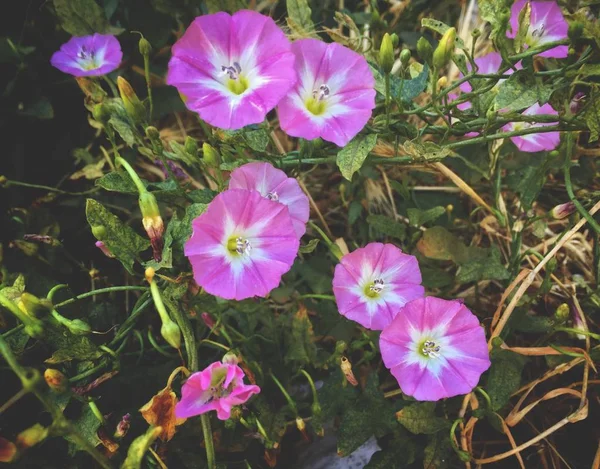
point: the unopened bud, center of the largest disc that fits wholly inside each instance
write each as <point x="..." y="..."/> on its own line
<point x="562" y="211"/>
<point x="3" y="180"/>
<point x="424" y="50"/>
<point x="211" y="156"/>
<point x="78" y="327"/>
<point x="442" y="82"/>
<point x="123" y="427"/>
<point x="100" y="245"/>
<point x="443" y="52"/>
<point x="153" y="223"/>
<point x="386" y="54"/>
<point x="208" y="320"/>
<point x="145" y="47"/>
<point x="300" y="424"/>
<point x="476" y="33"/>
<point x="8" y="450"/>
<point x="134" y="107"/>
<point x="32" y="436"/>
<point x="91" y="89"/>
<point x="191" y="146"/>
<point x="562" y="313"/>
<point x="578" y="323"/>
<point x="404" y="57"/>
<point x="149" y="274"/>
<point x="171" y="333"/>
<point x="56" y="380"/>
<point x="316" y="409"/>
<point x="395" y="39"/>
<point x="34" y="306"/>
<point x="340" y="347"/>
<point x="230" y="358"/>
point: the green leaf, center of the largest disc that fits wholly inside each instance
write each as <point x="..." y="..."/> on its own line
<point x="124" y="128"/>
<point x="399" y="453"/>
<point x="521" y="90"/>
<point x="231" y="6"/>
<point x="139" y="447"/>
<point x="420" y="418"/>
<point x="258" y="140"/>
<point x="387" y="226"/>
<point x="118" y="181"/>
<point x="310" y="246"/>
<point x="426" y="152"/>
<point x="120" y="239"/>
<point x="438" y="243"/>
<point x="482" y="264"/>
<point x="182" y="229"/>
<point x="404" y="89"/>
<point x="352" y="156"/>
<point x="439" y="27"/>
<point x="529" y="180"/>
<point x="301" y="348"/>
<point x="592" y="117"/>
<point x="179" y="153"/>
<point x="437" y="452"/>
<point x="86" y="425"/>
<point x="300" y="15"/>
<point x="504" y="377"/>
<point x="68" y="346"/>
<point x="418" y="217"/>
<point x="497" y="13"/>
<point x="81" y="17"/>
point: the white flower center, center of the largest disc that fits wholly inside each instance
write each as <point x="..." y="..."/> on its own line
<point x="430" y="349"/>
<point x="377" y="286"/>
<point x="232" y="70"/>
<point x="87" y="58"/>
<point x="537" y="32"/>
<point x="273" y="196"/>
<point x="243" y="246"/>
<point x="321" y="93"/>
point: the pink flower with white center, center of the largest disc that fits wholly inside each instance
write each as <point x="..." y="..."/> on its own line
<point x="547" y="24"/>
<point x="218" y="387"/>
<point x="435" y="349"/>
<point x="334" y="96"/>
<point x="534" y="142"/>
<point x="372" y="283"/>
<point x="241" y="245"/>
<point x="273" y="184"/>
<point x="232" y="70"/>
<point x="86" y="56"/>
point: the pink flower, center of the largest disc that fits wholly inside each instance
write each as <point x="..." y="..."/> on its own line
<point x="85" y="56"/>
<point x="232" y="70"/>
<point x="372" y="283"/>
<point x="334" y="96"/>
<point x="218" y="387"/>
<point x="488" y="64"/>
<point x="534" y="142"/>
<point x="241" y="245"/>
<point x="273" y="184"/>
<point x="547" y="24"/>
<point x="435" y="349"/>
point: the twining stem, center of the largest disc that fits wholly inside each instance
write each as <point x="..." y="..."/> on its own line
<point x="208" y="441"/>
<point x="9" y="182"/>
<point x="98" y="292"/>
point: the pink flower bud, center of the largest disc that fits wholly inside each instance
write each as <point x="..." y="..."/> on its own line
<point x="562" y="210"/>
<point x="100" y="245"/>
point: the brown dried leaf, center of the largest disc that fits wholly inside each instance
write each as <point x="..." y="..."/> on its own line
<point x="160" y="411"/>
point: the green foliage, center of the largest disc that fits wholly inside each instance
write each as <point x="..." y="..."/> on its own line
<point x="592" y="116"/>
<point x="521" y="91"/>
<point x="420" y="418"/>
<point x="81" y="17"/>
<point x="351" y="158"/>
<point x="387" y="226"/>
<point x="299" y="17"/>
<point x="418" y="217"/>
<point x="504" y="376"/>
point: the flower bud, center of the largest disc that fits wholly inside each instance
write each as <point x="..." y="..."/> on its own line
<point x="211" y="156"/>
<point x="386" y="54"/>
<point x="32" y="436"/>
<point x="443" y="81"/>
<point x="171" y="333"/>
<point x="562" y="210"/>
<point x="3" y="180"/>
<point x="404" y="57"/>
<point x="300" y="424"/>
<point x="91" y="89"/>
<point x="443" y="52"/>
<point x="336" y="251"/>
<point x="123" y="427"/>
<point x="191" y="146"/>
<point x="424" y="49"/>
<point x="149" y="274"/>
<point x="134" y="107"/>
<point x="230" y="358"/>
<point x="476" y="33"/>
<point x="562" y="313"/>
<point x="34" y="306"/>
<point x="78" y="327"/>
<point x="100" y="245"/>
<point x="145" y="47"/>
<point x="395" y="39"/>
<point x="153" y="222"/>
<point x="8" y="450"/>
<point x="578" y="323"/>
<point x="56" y="380"/>
<point x="208" y="320"/>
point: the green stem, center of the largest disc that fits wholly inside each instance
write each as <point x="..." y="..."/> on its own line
<point x="158" y="302"/>
<point x="134" y="176"/>
<point x="148" y="86"/>
<point x="318" y="296"/>
<point x="98" y="292"/>
<point x="142" y="303"/>
<point x="9" y="183"/>
<point x="208" y="441"/>
<point x="33" y="326"/>
<point x="112" y="86"/>
<point x="387" y="99"/>
<point x="569" y="186"/>
<point x="288" y="398"/>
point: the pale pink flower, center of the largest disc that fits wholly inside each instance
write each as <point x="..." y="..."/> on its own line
<point x="542" y="141"/>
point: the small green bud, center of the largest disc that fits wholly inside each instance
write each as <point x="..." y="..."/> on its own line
<point x="145" y="47"/>
<point x="78" y="327"/>
<point x="491" y="114"/>
<point x="443" y="52"/>
<point x="395" y="40"/>
<point x="340" y="347"/>
<point x="32" y="436"/>
<point x="404" y="57"/>
<point x="211" y="156"/>
<point x="554" y="154"/>
<point x="424" y="50"/>
<point x="191" y="146"/>
<point x="171" y="333"/>
<point x="562" y="313"/>
<point x="230" y="358"/>
<point x="154" y="136"/>
<point x="34" y="306"/>
<point x="99" y="232"/>
<point x="386" y="54"/>
<point x="476" y="33"/>
<point x="134" y="107"/>
<point x="56" y="380"/>
<point x="497" y="342"/>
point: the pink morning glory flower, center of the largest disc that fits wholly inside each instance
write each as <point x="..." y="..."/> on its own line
<point x="218" y="387"/>
<point x="435" y="349"/>
<point x="232" y="70"/>
<point x="372" y="283"/>
<point x="241" y="245"/>
<point x="274" y="184"/>
<point x="534" y="142"/>
<point x="85" y="56"/>
<point x="547" y="24"/>
<point x="334" y="96"/>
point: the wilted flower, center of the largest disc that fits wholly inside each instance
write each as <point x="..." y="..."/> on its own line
<point x="218" y="387"/>
<point x="435" y="349"/>
<point x="372" y="283"/>
<point x="546" y="24"/>
<point x="274" y="184"/>
<point x="242" y="245"/>
<point x="334" y="96"/>
<point x="83" y="56"/>
<point x="232" y="70"/>
<point x="534" y="142"/>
